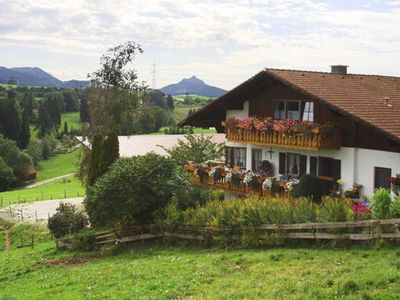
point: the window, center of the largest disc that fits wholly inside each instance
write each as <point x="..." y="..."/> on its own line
<point x="236" y="156"/>
<point x="292" y="164"/>
<point x="382" y="177"/>
<point x="308" y="112"/>
<point x="256" y="159"/>
<point x="293" y="109"/>
<point x="279" y="110"/>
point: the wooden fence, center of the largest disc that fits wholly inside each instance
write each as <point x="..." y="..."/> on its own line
<point x="353" y="231"/>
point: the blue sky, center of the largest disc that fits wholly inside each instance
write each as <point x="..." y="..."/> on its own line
<point x="222" y="42"/>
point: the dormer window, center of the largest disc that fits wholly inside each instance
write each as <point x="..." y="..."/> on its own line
<point x="294" y="110"/>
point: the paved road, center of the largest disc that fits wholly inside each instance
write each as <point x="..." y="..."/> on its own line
<point x="35" y="211"/>
<point x="47" y="181"/>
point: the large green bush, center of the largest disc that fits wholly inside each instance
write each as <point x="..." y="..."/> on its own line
<point x="67" y="220"/>
<point x="309" y="187"/>
<point x="132" y="190"/>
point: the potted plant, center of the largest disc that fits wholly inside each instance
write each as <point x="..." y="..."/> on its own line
<point x="251" y="180"/>
<point x="200" y="171"/>
<point x="215" y="173"/>
<point x="233" y="177"/>
<point x="271" y="185"/>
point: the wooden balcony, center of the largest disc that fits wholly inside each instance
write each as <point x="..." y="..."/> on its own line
<point x="314" y="140"/>
<point x="240" y="188"/>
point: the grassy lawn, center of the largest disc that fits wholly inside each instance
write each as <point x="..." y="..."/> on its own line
<point x="63" y="188"/>
<point x="73" y="120"/>
<point x="58" y="165"/>
<point x="165" y="272"/>
<point x="195" y="131"/>
<point x="181" y="111"/>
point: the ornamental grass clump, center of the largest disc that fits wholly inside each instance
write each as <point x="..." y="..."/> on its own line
<point x="381" y="204"/>
<point x="255" y="211"/>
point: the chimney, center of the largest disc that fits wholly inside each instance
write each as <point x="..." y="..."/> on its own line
<point x="339" y="69"/>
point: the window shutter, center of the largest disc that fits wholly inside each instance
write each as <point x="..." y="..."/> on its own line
<point x="313" y="165"/>
<point x="336" y="169"/>
<point x="282" y="163"/>
<point x="303" y="165"/>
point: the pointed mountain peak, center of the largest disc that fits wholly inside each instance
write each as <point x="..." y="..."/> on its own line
<point x="193" y="80"/>
<point x="193" y="86"/>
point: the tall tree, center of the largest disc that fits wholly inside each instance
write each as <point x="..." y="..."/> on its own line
<point x="109" y="152"/>
<point x="49" y="112"/>
<point x="95" y="156"/>
<point x="155" y="98"/>
<point x="27" y="110"/>
<point x="10" y="116"/>
<point x="70" y="100"/>
<point x="84" y="108"/>
<point x="170" y="102"/>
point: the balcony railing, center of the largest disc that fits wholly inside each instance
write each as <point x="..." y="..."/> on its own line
<point x="221" y="183"/>
<point x="314" y="139"/>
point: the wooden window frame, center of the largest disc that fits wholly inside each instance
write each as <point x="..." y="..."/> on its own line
<point x="380" y="168"/>
<point x="252" y="158"/>
<point x="285" y="104"/>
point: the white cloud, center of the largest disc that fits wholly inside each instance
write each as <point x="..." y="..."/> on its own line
<point x="223" y="42"/>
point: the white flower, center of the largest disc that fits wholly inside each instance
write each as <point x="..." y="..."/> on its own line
<point x="250" y="178"/>
<point x="267" y="184"/>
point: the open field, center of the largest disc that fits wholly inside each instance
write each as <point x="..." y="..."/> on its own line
<point x="165" y="272"/>
<point x="181" y="111"/>
<point x="58" y="165"/>
<point x="73" y="120"/>
<point x="195" y="131"/>
<point x="63" y="188"/>
<point x="182" y="97"/>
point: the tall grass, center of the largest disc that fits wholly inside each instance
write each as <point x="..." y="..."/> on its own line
<point x="256" y="211"/>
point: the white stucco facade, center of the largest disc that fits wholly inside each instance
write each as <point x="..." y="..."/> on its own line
<point x="357" y="165"/>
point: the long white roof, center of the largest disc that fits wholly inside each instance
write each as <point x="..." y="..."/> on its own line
<point x="142" y="144"/>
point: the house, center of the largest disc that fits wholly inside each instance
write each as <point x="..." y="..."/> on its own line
<point x="353" y="122"/>
<point x="142" y="144"/>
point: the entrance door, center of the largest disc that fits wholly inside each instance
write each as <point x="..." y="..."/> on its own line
<point x="329" y="171"/>
<point x="382" y="177"/>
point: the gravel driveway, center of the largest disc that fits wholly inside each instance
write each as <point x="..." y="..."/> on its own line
<point x="36" y="211"/>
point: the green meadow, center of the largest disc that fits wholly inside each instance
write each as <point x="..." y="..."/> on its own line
<point x="155" y="271"/>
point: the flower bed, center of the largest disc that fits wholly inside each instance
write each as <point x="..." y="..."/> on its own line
<point x="290" y="133"/>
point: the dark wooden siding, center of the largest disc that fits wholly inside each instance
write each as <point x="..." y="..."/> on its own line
<point x="354" y="133"/>
<point x="261" y="105"/>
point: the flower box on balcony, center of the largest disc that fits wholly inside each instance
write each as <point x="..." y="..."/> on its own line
<point x="283" y="133"/>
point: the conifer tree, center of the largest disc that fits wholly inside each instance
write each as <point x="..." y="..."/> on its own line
<point x="95" y="158"/>
<point x="170" y="102"/>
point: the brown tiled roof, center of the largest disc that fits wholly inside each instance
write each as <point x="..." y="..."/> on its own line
<point x="361" y="96"/>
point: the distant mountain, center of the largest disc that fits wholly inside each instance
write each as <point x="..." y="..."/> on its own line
<point x="74" y="84"/>
<point x="37" y="77"/>
<point x="192" y="86"/>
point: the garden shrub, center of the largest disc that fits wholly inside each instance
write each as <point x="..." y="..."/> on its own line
<point x="67" y="220"/>
<point x="133" y="190"/>
<point x="84" y="240"/>
<point x="381" y="203"/>
<point x="256" y="211"/>
<point x="395" y="207"/>
<point x="309" y="187"/>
